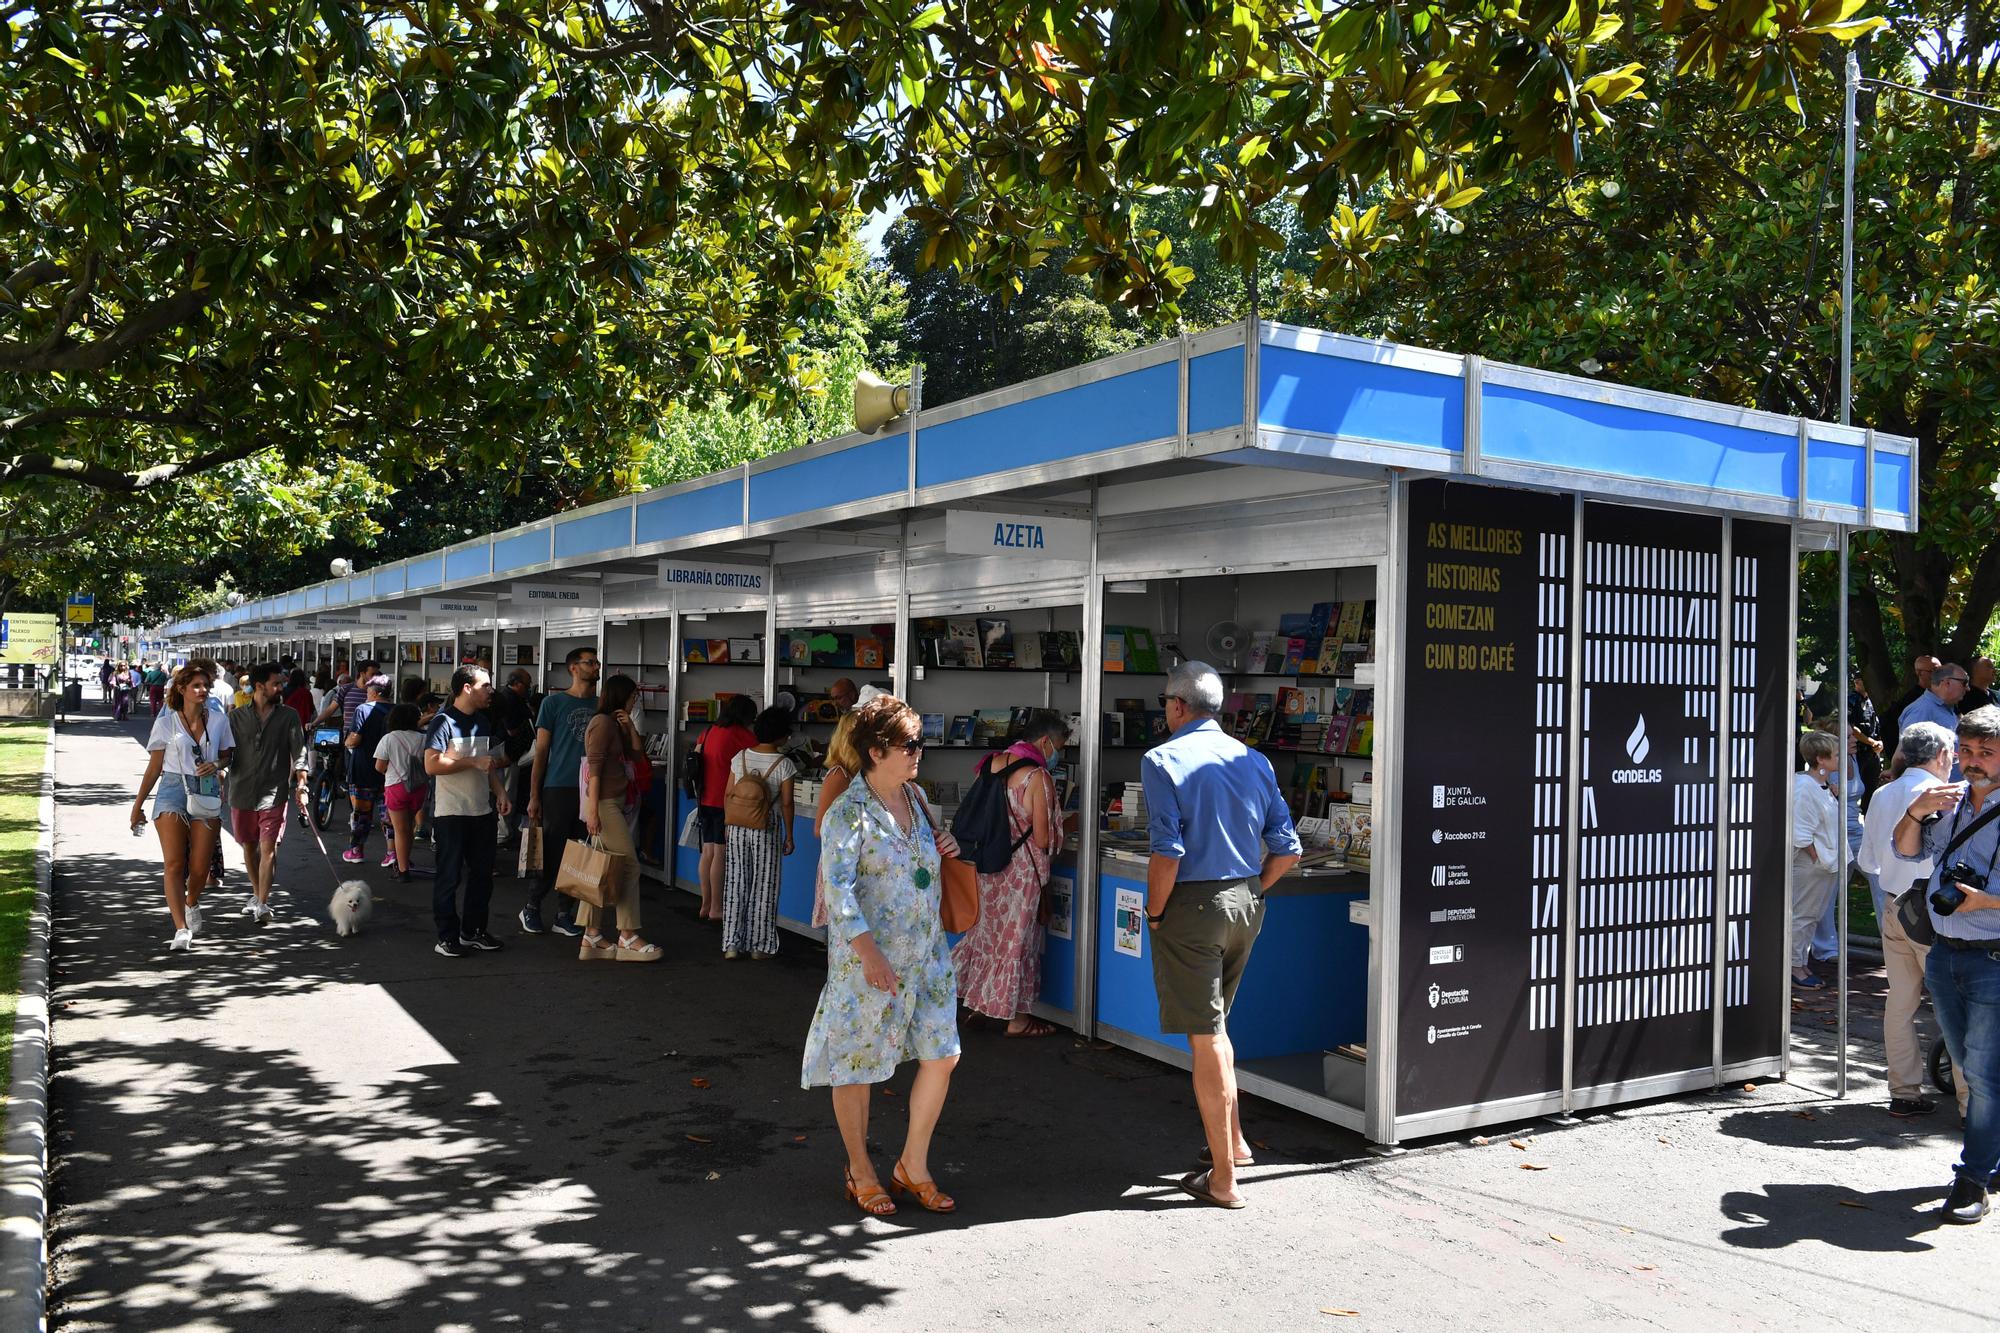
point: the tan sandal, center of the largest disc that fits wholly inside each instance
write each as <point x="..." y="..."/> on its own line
<point x="874" y="1202"/>
<point x="603" y="951"/>
<point x="643" y="952"/>
<point x="928" y="1196"/>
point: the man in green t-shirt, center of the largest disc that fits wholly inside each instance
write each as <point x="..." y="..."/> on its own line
<point x="556" y="801"/>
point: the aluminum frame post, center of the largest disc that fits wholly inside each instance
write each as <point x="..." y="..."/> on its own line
<point x="1853" y="86"/>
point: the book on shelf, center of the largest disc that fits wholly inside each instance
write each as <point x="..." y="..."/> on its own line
<point x="1291" y="702"/>
<point x="1319" y="623"/>
<point x="1361" y="740"/>
<point x="869" y="654"/>
<point x="1061" y="650"/>
<point x="1028" y="651"/>
<point x="698" y="710"/>
<point x="996" y="644"/>
<point x="933" y="728"/>
<point x="961" y="730"/>
<point x="694" y="652"/>
<point x="1157" y="729"/>
<point x="718" y="651"/>
<point x="1294" y="624"/>
<point x="1141" y="649"/>
<point x="1114" y="648"/>
<point x="1260" y="651"/>
<point x="1258" y="730"/>
<point x="991" y="725"/>
<point x="746" y="650"/>
<point x="798" y="648"/>
<point x="1335" y="738"/>
<point x="1349" y="626"/>
<point x="1329" y="657"/>
<point x="1114" y="730"/>
<point x="1309" y="696"/>
<point x="1295" y="656"/>
<point x="960" y="645"/>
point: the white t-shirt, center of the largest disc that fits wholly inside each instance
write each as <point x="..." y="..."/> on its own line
<point x="1878" y="830"/>
<point x="775" y="769"/>
<point x="170" y="734"/>
<point x="1815" y="818"/>
<point x="404" y="751"/>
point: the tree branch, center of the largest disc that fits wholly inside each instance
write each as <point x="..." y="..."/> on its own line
<point x="50" y="415"/>
<point x="141" y="328"/>
<point x="28" y="277"/>
<point x="113" y="481"/>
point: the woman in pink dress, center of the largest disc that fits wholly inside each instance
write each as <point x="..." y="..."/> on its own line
<point x="999" y="960"/>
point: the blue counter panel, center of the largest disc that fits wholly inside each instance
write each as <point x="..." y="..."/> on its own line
<point x="389" y="582"/>
<point x="879" y="467"/>
<point x="1529" y="426"/>
<point x="521" y="550"/>
<point x="315" y="598"/>
<point x="424" y="572"/>
<point x="1059" y="955"/>
<point x="1892" y="483"/>
<point x="1362" y="400"/>
<point x="795" y="886"/>
<point x="1306" y="988"/>
<point x="1215" y="390"/>
<point x="1835" y="474"/>
<point x="1132" y="408"/>
<point x="608" y="531"/>
<point x="704" y="509"/>
<point x="470" y="563"/>
<point x="687" y="866"/>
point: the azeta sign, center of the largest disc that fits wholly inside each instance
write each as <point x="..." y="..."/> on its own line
<point x="1023" y="537"/>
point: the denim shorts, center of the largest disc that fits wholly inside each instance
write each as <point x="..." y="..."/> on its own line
<point x="170" y="798"/>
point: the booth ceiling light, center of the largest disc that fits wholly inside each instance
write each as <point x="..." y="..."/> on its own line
<point x="1126" y="585"/>
<point x="877" y="402"/>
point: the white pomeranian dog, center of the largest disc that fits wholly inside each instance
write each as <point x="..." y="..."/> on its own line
<point x="352" y="902"/>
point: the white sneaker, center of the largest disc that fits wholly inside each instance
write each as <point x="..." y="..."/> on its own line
<point x="253" y="909"/>
<point x="182" y="939"/>
<point x="193" y="915"/>
<point x="266" y="912"/>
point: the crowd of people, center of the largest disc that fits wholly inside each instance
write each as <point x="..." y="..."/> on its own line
<point x="1924" y="830"/>
<point x="1921" y="826"/>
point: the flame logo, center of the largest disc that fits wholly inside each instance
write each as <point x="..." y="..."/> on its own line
<point x="1636" y="745"/>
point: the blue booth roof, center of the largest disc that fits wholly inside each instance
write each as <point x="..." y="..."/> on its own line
<point x="1319" y="401"/>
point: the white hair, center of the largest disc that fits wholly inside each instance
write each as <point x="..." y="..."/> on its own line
<point x="1197" y="685"/>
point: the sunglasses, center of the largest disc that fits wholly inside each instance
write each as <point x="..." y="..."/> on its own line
<point x="911" y="748"/>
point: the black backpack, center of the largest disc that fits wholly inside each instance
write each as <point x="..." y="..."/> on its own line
<point x="981" y="824"/>
<point x="691" y="766"/>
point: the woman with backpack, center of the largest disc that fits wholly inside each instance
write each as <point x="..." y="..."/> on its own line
<point x="999" y="960"/>
<point x="758" y="813"/>
<point x="610" y="742"/>
<point x="399" y="758"/>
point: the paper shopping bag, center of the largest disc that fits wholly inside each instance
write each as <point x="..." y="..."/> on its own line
<point x="691" y="830"/>
<point x="531" y="851"/>
<point x="590" y="874"/>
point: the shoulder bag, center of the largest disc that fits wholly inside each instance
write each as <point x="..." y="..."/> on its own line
<point x="958" y="884"/>
<point x="204" y="794"/>
<point x="1913" y="906"/>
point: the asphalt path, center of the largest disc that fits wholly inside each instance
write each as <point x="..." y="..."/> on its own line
<point x="284" y="1130"/>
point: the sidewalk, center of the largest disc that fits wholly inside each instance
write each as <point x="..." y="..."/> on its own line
<point x="287" y="1131"/>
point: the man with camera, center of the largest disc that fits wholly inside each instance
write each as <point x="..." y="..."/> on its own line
<point x="1958" y="825"/>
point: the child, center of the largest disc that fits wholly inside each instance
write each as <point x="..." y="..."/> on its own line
<point x="399" y="759"/>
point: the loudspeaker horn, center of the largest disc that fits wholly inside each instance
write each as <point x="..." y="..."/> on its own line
<point x="877" y="402"/>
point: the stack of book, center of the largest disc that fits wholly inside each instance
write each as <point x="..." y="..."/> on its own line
<point x="1132" y="806"/>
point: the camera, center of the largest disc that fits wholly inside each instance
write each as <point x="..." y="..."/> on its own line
<point x="1950" y="893"/>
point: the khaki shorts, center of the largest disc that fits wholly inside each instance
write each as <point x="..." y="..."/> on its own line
<point x="1200" y="949"/>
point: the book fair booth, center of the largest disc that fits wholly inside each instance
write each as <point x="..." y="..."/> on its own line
<point x="1519" y="645"/>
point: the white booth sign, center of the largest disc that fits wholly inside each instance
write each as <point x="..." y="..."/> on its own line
<point x="1028" y="538"/>
<point x="711" y="576"/>
<point x="338" y="619"/>
<point x="483" y="607"/>
<point x="376" y="615"/>
<point x="565" y="595"/>
<point x="273" y="627"/>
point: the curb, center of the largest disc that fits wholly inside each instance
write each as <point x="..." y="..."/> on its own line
<point x="24" y="1154"/>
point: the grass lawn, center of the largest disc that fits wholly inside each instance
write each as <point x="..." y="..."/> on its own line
<point x="1861" y="908"/>
<point x="22" y="746"/>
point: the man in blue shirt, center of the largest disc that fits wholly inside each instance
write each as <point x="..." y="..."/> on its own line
<point x="555" y="801"/>
<point x="1939" y="703"/>
<point x="1963" y="970"/>
<point x="1221" y="838"/>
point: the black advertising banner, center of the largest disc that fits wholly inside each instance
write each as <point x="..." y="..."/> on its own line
<point x="1484" y="711"/>
<point x="1758" y="989"/>
<point x="1646" y="847"/>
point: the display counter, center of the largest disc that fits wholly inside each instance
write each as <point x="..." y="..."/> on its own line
<point x="1304" y="993"/>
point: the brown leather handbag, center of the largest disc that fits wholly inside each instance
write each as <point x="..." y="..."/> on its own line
<point x="958" y="885"/>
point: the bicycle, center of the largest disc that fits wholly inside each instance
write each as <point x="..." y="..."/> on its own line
<point x="329" y="781"/>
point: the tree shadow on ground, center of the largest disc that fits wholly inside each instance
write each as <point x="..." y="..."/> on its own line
<point x="286" y="1130"/>
<point x="1875" y="1222"/>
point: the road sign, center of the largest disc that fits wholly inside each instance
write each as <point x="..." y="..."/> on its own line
<point x="82" y="608"/>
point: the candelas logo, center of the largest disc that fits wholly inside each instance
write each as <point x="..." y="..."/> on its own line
<point x="1637" y="747"/>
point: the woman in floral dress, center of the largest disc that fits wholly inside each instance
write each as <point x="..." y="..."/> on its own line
<point x="999" y="960"/>
<point x="889" y="991"/>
